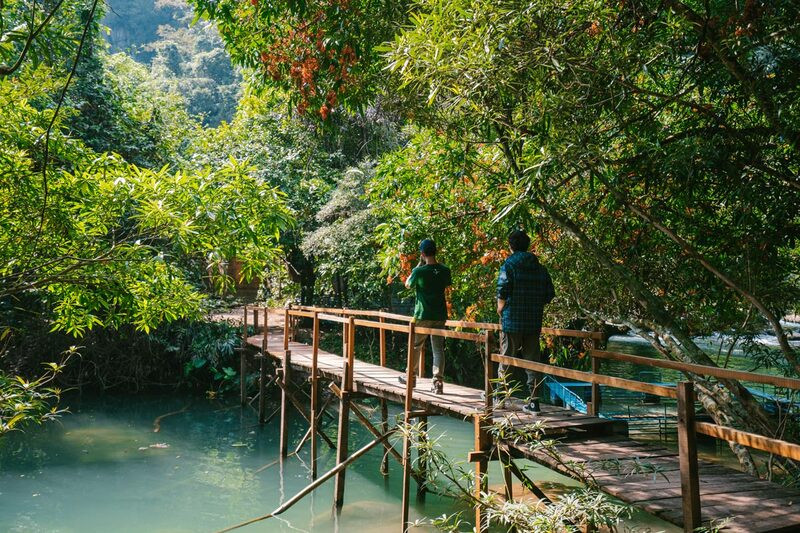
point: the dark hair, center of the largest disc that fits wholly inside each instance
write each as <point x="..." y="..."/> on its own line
<point x="427" y="247"/>
<point x="519" y="241"/>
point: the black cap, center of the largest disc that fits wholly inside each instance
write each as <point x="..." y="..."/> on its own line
<point x="427" y="247"/>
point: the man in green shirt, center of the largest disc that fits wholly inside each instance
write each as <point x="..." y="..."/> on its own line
<point x="430" y="311"/>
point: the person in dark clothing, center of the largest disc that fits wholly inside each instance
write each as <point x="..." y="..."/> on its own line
<point x="429" y="280"/>
<point x="523" y="288"/>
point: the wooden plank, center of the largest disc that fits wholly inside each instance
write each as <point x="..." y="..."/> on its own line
<point x="620" y="383"/>
<point x="752" y="440"/>
<point x="703" y="370"/>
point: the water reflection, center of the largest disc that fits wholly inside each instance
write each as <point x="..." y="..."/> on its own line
<point x="103" y="468"/>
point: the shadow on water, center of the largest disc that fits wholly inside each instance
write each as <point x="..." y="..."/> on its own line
<point x="103" y="468"/>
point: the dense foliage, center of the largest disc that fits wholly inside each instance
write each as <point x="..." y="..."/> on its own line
<point x="651" y="149"/>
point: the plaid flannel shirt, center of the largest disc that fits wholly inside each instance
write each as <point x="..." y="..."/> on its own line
<point x="526" y="287"/>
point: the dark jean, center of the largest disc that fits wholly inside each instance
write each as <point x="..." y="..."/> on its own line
<point x="523" y="346"/>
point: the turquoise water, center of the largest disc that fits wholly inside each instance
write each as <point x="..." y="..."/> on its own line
<point x="103" y="468"/>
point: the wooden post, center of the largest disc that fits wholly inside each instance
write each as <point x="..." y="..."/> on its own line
<point x="285" y="378"/>
<point x="594" y="407"/>
<point x="342" y="438"/>
<point x="483" y="445"/>
<point x="314" y="394"/>
<point x="488" y="373"/>
<point x="255" y="321"/>
<point x="286" y="329"/>
<point x="687" y="455"/>
<point x="243" y="362"/>
<point x="407" y="440"/>
<point x="384" y="405"/>
<point x="344" y="339"/>
<point x="351" y="352"/>
<point x="344" y="412"/>
<point x="262" y="377"/>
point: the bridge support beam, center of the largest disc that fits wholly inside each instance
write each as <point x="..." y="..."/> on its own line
<point x="285" y="399"/>
<point x="342" y="442"/>
<point x="344" y="413"/>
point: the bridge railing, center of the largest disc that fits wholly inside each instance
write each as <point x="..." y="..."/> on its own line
<point x="684" y="391"/>
<point x="687" y="426"/>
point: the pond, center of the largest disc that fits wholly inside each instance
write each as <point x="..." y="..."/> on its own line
<point x="210" y="465"/>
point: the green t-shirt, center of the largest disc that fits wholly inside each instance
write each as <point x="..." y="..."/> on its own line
<point x="430" y="281"/>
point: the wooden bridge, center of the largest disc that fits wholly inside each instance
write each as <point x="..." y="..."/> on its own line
<point x="675" y="486"/>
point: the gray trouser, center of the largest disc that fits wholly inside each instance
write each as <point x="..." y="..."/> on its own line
<point x="523" y="346"/>
<point x="437" y="345"/>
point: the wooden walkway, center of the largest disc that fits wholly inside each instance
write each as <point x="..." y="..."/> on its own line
<point x="643" y="475"/>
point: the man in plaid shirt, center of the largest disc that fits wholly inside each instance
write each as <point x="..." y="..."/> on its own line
<point x="523" y="288"/>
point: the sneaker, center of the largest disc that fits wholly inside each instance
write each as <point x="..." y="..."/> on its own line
<point x="437" y="386"/>
<point x="532" y="407"/>
<point x="402" y="379"/>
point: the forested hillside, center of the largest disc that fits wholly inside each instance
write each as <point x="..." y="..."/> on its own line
<point x="183" y="57"/>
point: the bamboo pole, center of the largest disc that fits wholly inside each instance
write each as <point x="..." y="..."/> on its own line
<point x="314" y="394"/>
<point x="687" y="457"/>
<point x="322" y="479"/>
<point x="407" y="419"/>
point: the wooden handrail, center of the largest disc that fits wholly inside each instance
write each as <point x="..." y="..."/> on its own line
<point x="332" y="318"/>
<point x="704" y="370"/>
<point x="620" y="383"/>
<point x="463" y="335"/>
<point x="752" y="440"/>
<point x="486" y="326"/>
<point x="297" y="312"/>
<point x="387" y="326"/>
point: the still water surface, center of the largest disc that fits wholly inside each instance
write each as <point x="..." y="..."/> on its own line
<point x="103" y="468"/>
